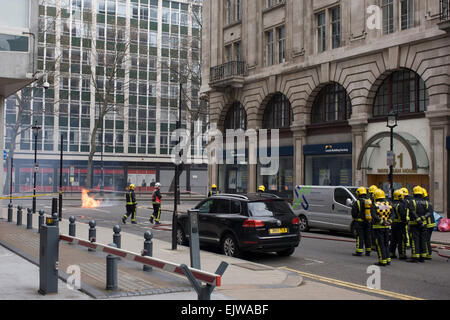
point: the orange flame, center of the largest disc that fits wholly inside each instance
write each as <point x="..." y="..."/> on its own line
<point x="88" y="202"/>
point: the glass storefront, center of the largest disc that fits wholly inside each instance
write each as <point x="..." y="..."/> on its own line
<point x="328" y="165"/>
<point x="281" y="184"/>
<point x="233" y="178"/>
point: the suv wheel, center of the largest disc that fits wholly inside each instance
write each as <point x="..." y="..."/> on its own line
<point x="286" y="253"/>
<point x="230" y="246"/>
<point x="304" y="227"/>
<point x="181" y="237"/>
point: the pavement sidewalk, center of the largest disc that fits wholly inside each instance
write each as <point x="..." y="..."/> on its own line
<point x="242" y="280"/>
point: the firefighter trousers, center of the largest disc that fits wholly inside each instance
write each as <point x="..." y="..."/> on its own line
<point x="418" y="241"/>
<point x="131" y="211"/>
<point x="399" y="240"/>
<point x="363" y="236"/>
<point x="428" y="241"/>
<point x="382" y="244"/>
<point x="156" y="211"/>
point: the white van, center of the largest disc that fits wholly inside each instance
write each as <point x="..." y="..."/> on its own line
<point x="328" y="208"/>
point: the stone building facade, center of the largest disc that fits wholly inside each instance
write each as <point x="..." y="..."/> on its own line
<point x="327" y="73"/>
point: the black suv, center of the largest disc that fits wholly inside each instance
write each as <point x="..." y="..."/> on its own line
<point x="237" y="223"/>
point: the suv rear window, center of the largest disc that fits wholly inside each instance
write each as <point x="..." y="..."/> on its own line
<point x="268" y="208"/>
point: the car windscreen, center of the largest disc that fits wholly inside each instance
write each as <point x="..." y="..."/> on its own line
<point x="268" y="208"/>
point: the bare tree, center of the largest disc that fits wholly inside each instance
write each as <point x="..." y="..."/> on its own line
<point x="105" y="84"/>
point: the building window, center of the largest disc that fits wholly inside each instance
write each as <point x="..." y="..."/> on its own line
<point x="406" y="14"/>
<point x="236" y="117"/>
<point x="321" y="32"/>
<point x="403" y="92"/>
<point x="387" y="7"/>
<point x="278" y="113"/>
<point x="270" y="48"/>
<point x="335" y="27"/>
<point x="281" y="32"/>
<point x="233" y="11"/>
<point x="331" y="105"/>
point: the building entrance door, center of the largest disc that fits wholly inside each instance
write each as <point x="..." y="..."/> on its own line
<point x="400" y="181"/>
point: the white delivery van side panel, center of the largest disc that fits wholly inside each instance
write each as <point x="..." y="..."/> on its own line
<point x="314" y="203"/>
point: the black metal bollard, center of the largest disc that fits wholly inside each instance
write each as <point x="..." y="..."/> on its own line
<point x="10" y="212"/>
<point x="41" y="220"/>
<point x="148" y="249"/>
<point x="72" y="227"/>
<point x="117" y="238"/>
<point x="29" y="219"/>
<point x="19" y="215"/>
<point x="54" y="205"/>
<point x="92" y="233"/>
<point x="111" y="271"/>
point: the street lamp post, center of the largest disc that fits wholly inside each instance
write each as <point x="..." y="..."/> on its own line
<point x="392" y="122"/>
<point x="35" y="133"/>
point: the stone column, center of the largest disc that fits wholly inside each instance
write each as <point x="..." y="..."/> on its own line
<point x="359" y="131"/>
<point x="299" y="137"/>
<point x="439" y="131"/>
<point x="253" y="124"/>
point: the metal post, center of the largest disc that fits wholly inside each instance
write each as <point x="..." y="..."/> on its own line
<point x="72" y="227"/>
<point x="117" y="237"/>
<point x="10" y="181"/>
<point x="61" y="178"/>
<point x="148" y="249"/>
<point x="10" y="212"/>
<point x="19" y="216"/>
<point x="48" y="257"/>
<point x="92" y="233"/>
<point x="194" y="242"/>
<point x="111" y="271"/>
<point x="35" y="169"/>
<point x="41" y="220"/>
<point x="29" y="219"/>
<point x="391" y="167"/>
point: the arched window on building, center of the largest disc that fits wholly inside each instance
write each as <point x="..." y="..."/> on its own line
<point x="332" y="104"/>
<point x="403" y="92"/>
<point x="278" y="113"/>
<point x="236" y="117"/>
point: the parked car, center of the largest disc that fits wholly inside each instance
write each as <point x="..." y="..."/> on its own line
<point x="240" y="223"/>
<point x="328" y="208"/>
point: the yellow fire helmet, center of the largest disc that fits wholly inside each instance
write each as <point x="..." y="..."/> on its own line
<point x="262" y="189"/>
<point x="379" y="194"/>
<point x="131" y="187"/>
<point x="361" y="191"/>
<point x="214" y="186"/>
<point x="418" y="190"/>
<point x="405" y="191"/>
<point x="372" y="189"/>
<point x="425" y="192"/>
<point x="399" y="195"/>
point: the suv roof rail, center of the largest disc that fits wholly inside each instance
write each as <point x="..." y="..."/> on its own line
<point x="231" y="195"/>
<point x="266" y="195"/>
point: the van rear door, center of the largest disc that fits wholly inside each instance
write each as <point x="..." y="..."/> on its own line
<point x="341" y="213"/>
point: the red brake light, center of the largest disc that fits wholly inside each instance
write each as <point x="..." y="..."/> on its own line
<point x="296" y="221"/>
<point x="250" y="223"/>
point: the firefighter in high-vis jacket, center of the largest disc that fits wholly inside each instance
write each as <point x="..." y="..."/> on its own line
<point x="261" y="189"/>
<point x="399" y="234"/>
<point x="156" y="200"/>
<point x="213" y="191"/>
<point x="382" y="216"/>
<point x="362" y="222"/>
<point x="372" y="190"/>
<point x="430" y="224"/>
<point x="419" y="214"/>
<point x="131" y="205"/>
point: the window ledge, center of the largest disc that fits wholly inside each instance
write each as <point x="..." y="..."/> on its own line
<point x="417" y="115"/>
<point x="231" y="25"/>
<point x="275" y="7"/>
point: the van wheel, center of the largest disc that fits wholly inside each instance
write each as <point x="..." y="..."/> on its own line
<point x="286" y="253"/>
<point x="230" y="246"/>
<point x="304" y="227"/>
